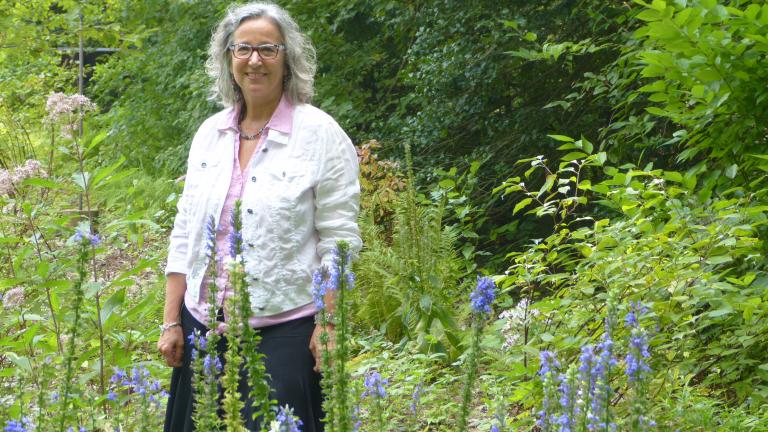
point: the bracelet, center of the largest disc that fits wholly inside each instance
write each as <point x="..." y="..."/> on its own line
<point x="164" y="327"/>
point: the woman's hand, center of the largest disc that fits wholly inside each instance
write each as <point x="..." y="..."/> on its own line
<point x="171" y="346"/>
<point x="317" y="347"/>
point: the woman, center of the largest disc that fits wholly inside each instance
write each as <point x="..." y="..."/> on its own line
<point x="295" y="172"/>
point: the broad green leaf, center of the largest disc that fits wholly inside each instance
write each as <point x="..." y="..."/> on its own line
<point x="673" y="176"/>
<point x="521" y="205"/>
<point x="82" y="180"/>
<point x="656" y="111"/>
<point x="5" y="283"/>
<point x="548" y="183"/>
<point x="96" y="141"/>
<point x="21" y="362"/>
<point x="649" y="15"/>
<point x="719" y="259"/>
<point x="573" y="156"/>
<point x="113" y="302"/>
<point x="447" y="183"/>
<point x="658" y="5"/>
<point x="724" y="310"/>
<point x="45" y="183"/>
<point x="104" y="172"/>
<point x="562" y="138"/>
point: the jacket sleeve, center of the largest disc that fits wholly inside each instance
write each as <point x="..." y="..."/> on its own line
<point x="179" y="240"/>
<point x="337" y="195"/>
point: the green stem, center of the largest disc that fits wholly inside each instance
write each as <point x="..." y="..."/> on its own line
<point x="78" y="299"/>
<point x="471" y="374"/>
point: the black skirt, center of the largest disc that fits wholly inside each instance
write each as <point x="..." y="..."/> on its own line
<point x="288" y="361"/>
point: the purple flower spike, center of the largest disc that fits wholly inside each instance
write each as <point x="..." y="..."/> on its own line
<point x="637" y="366"/>
<point x="318" y="289"/>
<point x="15" y="426"/>
<point x="416" y="398"/>
<point x="375" y="385"/>
<point x="483" y="295"/>
<point x="287" y="421"/>
<point x="548" y="362"/>
<point x="602" y="389"/>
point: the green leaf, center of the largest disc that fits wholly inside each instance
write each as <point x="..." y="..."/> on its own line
<point x="730" y="172"/>
<point x="447" y="183"/>
<point x="649" y="15"/>
<point x="42" y="269"/>
<point x="104" y="172"/>
<point x="90" y="288"/>
<point x="5" y="283"/>
<point x="521" y="205"/>
<point x="548" y="183"/>
<point x="673" y="176"/>
<point x="44" y="183"/>
<point x="724" y="310"/>
<point x="657" y="111"/>
<point x="659" y="5"/>
<point x="113" y="302"/>
<point x="719" y="259"/>
<point x="21" y="362"/>
<point x="562" y="138"/>
<point x="586" y="250"/>
<point x="96" y="141"/>
<point x="573" y="156"/>
<point x="81" y="179"/>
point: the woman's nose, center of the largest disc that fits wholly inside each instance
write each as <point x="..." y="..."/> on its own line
<point x="255" y="57"/>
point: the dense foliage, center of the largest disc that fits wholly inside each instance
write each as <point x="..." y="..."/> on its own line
<point x="604" y="161"/>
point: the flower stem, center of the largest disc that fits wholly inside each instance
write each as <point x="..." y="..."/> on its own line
<point x="471" y="374"/>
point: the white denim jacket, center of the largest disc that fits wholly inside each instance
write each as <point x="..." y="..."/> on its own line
<point x="302" y="197"/>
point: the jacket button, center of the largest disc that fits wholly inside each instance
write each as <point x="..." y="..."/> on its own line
<point x="265" y="150"/>
<point x="283" y="173"/>
<point x="253" y="179"/>
<point x="203" y="165"/>
<point x="250" y="211"/>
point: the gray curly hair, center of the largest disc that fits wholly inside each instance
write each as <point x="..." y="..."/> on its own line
<point x="300" y="54"/>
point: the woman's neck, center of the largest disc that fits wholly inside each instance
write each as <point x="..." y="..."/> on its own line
<point x="259" y="112"/>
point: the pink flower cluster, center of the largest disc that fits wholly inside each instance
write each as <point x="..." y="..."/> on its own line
<point x="69" y="109"/>
<point x="12" y="298"/>
<point x="9" y="182"/>
<point x="60" y="104"/>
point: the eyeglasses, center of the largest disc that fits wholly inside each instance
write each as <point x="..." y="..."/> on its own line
<point x="266" y="51"/>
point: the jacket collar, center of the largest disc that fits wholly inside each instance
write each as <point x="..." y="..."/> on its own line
<point x="278" y="128"/>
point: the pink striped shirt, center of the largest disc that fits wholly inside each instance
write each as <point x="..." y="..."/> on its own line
<point x="282" y="120"/>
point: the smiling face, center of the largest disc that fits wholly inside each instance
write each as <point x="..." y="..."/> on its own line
<point x="260" y="80"/>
